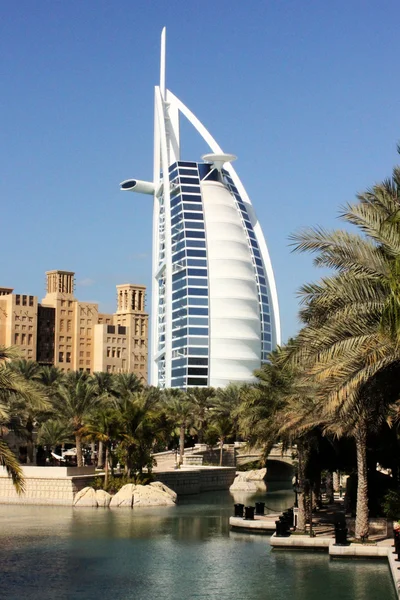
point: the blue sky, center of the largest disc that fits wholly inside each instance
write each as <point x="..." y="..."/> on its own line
<point x="306" y="94"/>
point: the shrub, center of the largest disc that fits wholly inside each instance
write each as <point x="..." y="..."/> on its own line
<point x="116" y="482"/>
<point x="391" y="505"/>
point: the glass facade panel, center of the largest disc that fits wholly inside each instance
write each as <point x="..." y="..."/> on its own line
<point x="189" y="247"/>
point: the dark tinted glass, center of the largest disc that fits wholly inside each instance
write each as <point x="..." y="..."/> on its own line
<point x="197" y="371"/>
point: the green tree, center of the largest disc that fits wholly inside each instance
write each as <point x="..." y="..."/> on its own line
<point x="73" y="404"/>
<point x="180" y="410"/>
<point x="138" y="413"/>
<point x="29" y="408"/>
<point x="53" y="433"/>
<point x="105" y="425"/>
<point x="351" y="318"/>
<point x="13" y="388"/>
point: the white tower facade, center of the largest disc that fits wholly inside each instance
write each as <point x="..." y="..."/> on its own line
<point x="215" y="314"/>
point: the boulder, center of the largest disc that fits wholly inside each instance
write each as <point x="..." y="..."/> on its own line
<point x="255" y="475"/>
<point x="150" y="495"/>
<point x="242" y="485"/>
<point x="165" y="488"/>
<point x="249" y="481"/>
<point x="123" y="498"/>
<point x="86" y="497"/>
<point x="103" y="498"/>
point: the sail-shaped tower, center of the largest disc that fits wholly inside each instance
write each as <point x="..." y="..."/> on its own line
<point x="215" y="312"/>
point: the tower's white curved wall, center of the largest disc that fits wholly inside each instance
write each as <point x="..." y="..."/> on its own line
<point x="235" y="331"/>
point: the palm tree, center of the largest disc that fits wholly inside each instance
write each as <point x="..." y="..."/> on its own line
<point x="138" y="415"/>
<point x="106" y="385"/>
<point x="30" y="409"/>
<point x="73" y="404"/>
<point x="53" y="433"/>
<point x="13" y="387"/>
<point x="51" y="377"/>
<point x="179" y="408"/>
<point x="105" y="425"/>
<point x="126" y="383"/>
<point x="201" y="399"/>
<point x="352" y="317"/>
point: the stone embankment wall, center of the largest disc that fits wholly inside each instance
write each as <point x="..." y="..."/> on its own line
<point x="57" y="486"/>
<point x="54" y="486"/>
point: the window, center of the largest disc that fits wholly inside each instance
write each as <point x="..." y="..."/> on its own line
<point x="16" y="338"/>
<point x="69" y="325"/>
<point x="17" y="299"/>
<point x="29" y="339"/>
<point x="68" y="357"/>
<point x="197" y="281"/>
<point x="61" y="357"/>
<point x="194" y="234"/>
<point x="197" y="381"/>
<point x="198" y="291"/>
<point x="30" y="300"/>
<point x="198" y="361"/>
<point x="198" y="330"/>
<point x="197" y="371"/>
<point x="61" y="324"/>
<point x="198" y="311"/>
<point x="23" y="338"/>
<point x="24" y="300"/>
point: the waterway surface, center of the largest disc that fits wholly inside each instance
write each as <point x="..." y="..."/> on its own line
<point x="180" y="553"/>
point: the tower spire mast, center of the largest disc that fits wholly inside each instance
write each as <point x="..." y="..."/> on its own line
<point x="162" y="63"/>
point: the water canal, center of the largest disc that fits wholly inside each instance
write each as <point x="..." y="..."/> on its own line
<point x="181" y="553"/>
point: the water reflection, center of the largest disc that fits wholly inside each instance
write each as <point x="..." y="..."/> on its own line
<point x="184" y="552"/>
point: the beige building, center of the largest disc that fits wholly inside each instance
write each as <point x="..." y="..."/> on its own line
<point x="73" y="335"/>
<point x="18" y="322"/>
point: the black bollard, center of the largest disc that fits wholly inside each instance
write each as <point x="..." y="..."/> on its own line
<point x="260" y="506"/>
<point x="278" y="530"/>
<point x="340" y="534"/>
<point x="238" y="510"/>
<point x="249" y="513"/>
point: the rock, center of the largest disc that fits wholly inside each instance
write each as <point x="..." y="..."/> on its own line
<point x="249" y="481"/>
<point x="86" y="497"/>
<point x="103" y="498"/>
<point x="242" y="485"/>
<point x="165" y="488"/>
<point x="123" y="498"/>
<point x="150" y="495"/>
<point x="255" y="475"/>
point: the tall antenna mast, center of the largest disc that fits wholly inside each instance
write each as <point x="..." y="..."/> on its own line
<point x="162" y="64"/>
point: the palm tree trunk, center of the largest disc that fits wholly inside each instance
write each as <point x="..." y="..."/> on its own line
<point x="100" y="456"/>
<point x="106" y="468"/>
<point x="329" y="488"/>
<point x="181" y="442"/>
<point x="29" y="442"/>
<point x="302" y="514"/>
<point x="221" y="451"/>
<point x="362" y="525"/>
<point x="78" y="444"/>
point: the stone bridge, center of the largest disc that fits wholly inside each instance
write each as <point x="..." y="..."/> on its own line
<point x="279" y="464"/>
